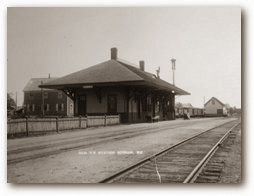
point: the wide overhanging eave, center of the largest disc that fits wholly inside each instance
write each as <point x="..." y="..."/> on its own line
<point x="172" y="89"/>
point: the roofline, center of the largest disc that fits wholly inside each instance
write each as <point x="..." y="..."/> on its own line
<point x="82" y="84"/>
<point x="122" y="61"/>
<point x="45" y="78"/>
<point x="215" y="99"/>
<point x="45" y="89"/>
<point x="180" y="91"/>
<point x="51" y="78"/>
<point x="127" y="83"/>
<point x="170" y="88"/>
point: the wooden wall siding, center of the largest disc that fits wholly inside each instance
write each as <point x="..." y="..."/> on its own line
<point x="93" y="105"/>
<point x="70" y="111"/>
<point x="129" y="105"/>
<point x="26" y="126"/>
<point x="96" y="106"/>
<point x="212" y="108"/>
<point x="52" y="100"/>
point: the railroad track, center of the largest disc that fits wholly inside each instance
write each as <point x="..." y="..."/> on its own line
<point x="180" y="163"/>
<point x="212" y="172"/>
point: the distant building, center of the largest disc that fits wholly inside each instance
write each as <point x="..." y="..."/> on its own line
<point x="214" y="107"/>
<point x="119" y="87"/>
<point x="183" y="108"/>
<point x="56" y="103"/>
<point x="187" y="108"/>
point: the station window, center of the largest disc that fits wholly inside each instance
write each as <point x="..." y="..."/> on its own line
<point x="33" y="107"/>
<point x="28" y="107"/>
<point x="144" y="105"/>
<point x="157" y="106"/>
<point x="112" y="104"/>
<point x="46" y="107"/>
<point x="57" y="107"/>
<point x="60" y="95"/>
<point x="213" y="102"/>
<point x="31" y="96"/>
<point x="149" y="104"/>
<point x="60" y="107"/>
<point x="71" y="108"/>
<point x="149" y="107"/>
<point x="45" y="95"/>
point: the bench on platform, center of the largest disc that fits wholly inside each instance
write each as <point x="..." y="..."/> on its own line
<point x="156" y="118"/>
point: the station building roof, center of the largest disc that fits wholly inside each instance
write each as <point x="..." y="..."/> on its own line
<point x="33" y="84"/>
<point x="112" y="72"/>
<point x="214" y="98"/>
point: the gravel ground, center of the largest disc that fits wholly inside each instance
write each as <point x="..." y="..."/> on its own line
<point x="231" y="173"/>
<point x="92" y="164"/>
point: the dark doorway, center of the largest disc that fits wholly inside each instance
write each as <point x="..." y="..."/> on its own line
<point x="112" y="104"/>
<point x="138" y="105"/>
<point x="219" y="112"/>
<point x="164" y="104"/>
<point x="153" y="106"/>
<point x="82" y="105"/>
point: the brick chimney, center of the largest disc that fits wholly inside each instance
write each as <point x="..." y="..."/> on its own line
<point x="113" y="53"/>
<point x="142" y="65"/>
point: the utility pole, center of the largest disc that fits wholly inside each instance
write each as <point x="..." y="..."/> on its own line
<point x="204" y="106"/>
<point x="42" y="100"/>
<point x="173" y="69"/>
<point x="16" y="100"/>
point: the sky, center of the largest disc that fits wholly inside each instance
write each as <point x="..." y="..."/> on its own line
<point x="205" y="41"/>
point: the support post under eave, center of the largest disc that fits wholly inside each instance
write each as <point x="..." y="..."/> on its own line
<point x="42" y="100"/>
<point x="75" y="103"/>
<point x="173" y="105"/>
<point x="127" y="104"/>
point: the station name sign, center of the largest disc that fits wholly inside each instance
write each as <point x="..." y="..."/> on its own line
<point x="87" y="86"/>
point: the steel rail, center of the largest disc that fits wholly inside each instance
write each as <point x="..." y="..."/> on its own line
<point x="191" y="177"/>
<point x="141" y="162"/>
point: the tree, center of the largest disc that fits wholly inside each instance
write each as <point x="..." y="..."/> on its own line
<point x="231" y="110"/>
<point x="10" y="102"/>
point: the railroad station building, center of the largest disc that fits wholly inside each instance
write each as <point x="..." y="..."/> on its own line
<point x="119" y="87"/>
<point x="45" y="102"/>
<point x="214" y="107"/>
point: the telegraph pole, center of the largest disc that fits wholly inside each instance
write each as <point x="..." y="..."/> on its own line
<point x="42" y="98"/>
<point x="173" y="92"/>
<point x="204" y="106"/>
<point x="16" y="100"/>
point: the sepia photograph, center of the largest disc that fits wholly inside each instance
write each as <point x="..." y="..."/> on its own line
<point x="137" y="95"/>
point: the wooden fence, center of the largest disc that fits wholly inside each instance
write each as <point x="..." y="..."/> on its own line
<point x="36" y="125"/>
